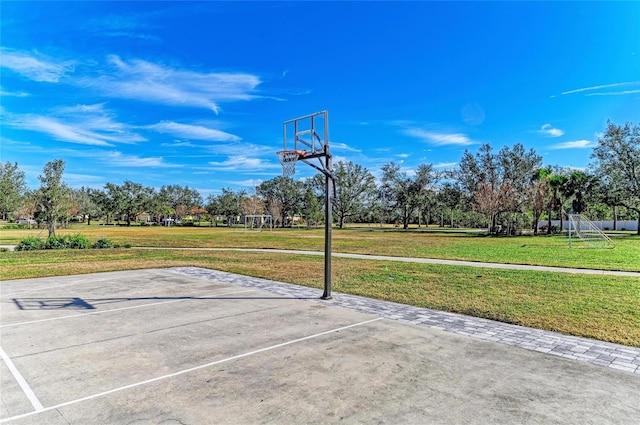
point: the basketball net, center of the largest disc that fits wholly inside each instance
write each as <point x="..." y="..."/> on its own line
<point x="288" y="160"/>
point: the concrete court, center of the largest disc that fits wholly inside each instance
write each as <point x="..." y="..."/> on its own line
<point x="158" y="347"/>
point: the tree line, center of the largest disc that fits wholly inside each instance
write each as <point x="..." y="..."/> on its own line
<point x="505" y="191"/>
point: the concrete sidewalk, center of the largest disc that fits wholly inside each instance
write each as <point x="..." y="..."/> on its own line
<point x="422" y="261"/>
<point x="408" y="260"/>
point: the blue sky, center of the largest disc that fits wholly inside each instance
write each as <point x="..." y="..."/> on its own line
<point x="195" y="93"/>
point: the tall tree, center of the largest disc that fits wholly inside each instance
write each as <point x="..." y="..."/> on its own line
<point x="610" y="191"/>
<point x="498" y="182"/>
<point x="557" y="187"/>
<point x="130" y="199"/>
<point x="252" y="205"/>
<point x="355" y="189"/>
<point x="618" y="158"/>
<point x="53" y="196"/>
<point x="108" y="201"/>
<point x="450" y="196"/>
<point x="180" y="199"/>
<point x="405" y="192"/>
<point x="312" y="207"/>
<point x="228" y="204"/>
<point x="579" y="185"/>
<point x="12" y="188"/>
<point x="88" y="205"/>
<point x="539" y="194"/>
<point x="29" y="206"/>
<point x="284" y="193"/>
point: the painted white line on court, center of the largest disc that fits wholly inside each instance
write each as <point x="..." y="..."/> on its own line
<point x="192" y="369"/>
<point x="50" y="319"/>
<point x="26" y="389"/>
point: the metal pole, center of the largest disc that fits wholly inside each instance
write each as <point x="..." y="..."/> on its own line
<point x="284" y="133"/>
<point x="328" y="217"/>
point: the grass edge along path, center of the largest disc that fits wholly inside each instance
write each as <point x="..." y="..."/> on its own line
<point x="374" y="257"/>
<point x="599" y="307"/>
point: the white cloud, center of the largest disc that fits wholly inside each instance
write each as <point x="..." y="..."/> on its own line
<point x="197" y="132"/>
<point x="120" y="160"/>
<point x="78" y="180"/>
<point x="178" y="144"/>
<point x="252" y="183"/>
<point x="150" y="82"/>
<point x="576" y="144"/>
<point x="81" y="124"/>
<point x="343" y="147"/>
<point x="241" y="149"/>
<point x="14" y="94"/>
<point x="336" y="159"/>
<point x="605" y="86"/>
<point x="139" y="80"/>
<point x="550" y="131"/>
<point x="613" y="93"/>
<point x="81" y="108"/>
<point x="439" y="138"/>
<point x="65" y="132"/>
<point x="35" y="68"/>
<point x="239" y="162"/>
<point x="445" y="165"/>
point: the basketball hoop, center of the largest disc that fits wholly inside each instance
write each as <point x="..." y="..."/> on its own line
<point x="309" y="141"/>
<point x="288" y="160"/>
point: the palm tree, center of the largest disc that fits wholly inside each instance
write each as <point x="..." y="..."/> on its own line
<point x="539" y="194"/>
<point x="557" y="185"/>
<point x="578" y="184"/>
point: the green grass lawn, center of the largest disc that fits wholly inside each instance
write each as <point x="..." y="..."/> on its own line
<point x="541" y="250"/>
<point x="601" y="307"/>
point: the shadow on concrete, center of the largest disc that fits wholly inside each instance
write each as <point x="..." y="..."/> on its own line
<point x="75" y="303"/>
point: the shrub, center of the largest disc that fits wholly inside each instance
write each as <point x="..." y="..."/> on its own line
<point x="30" y="243"/>
<point x="103" y="242"/>
<point x="77" y="241"/>
<point x="55" y="242"/>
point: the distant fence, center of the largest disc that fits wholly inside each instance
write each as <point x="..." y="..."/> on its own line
<point x="600" y="224"/>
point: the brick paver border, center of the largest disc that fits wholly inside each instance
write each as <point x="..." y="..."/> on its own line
<point x="592" y="351"/>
